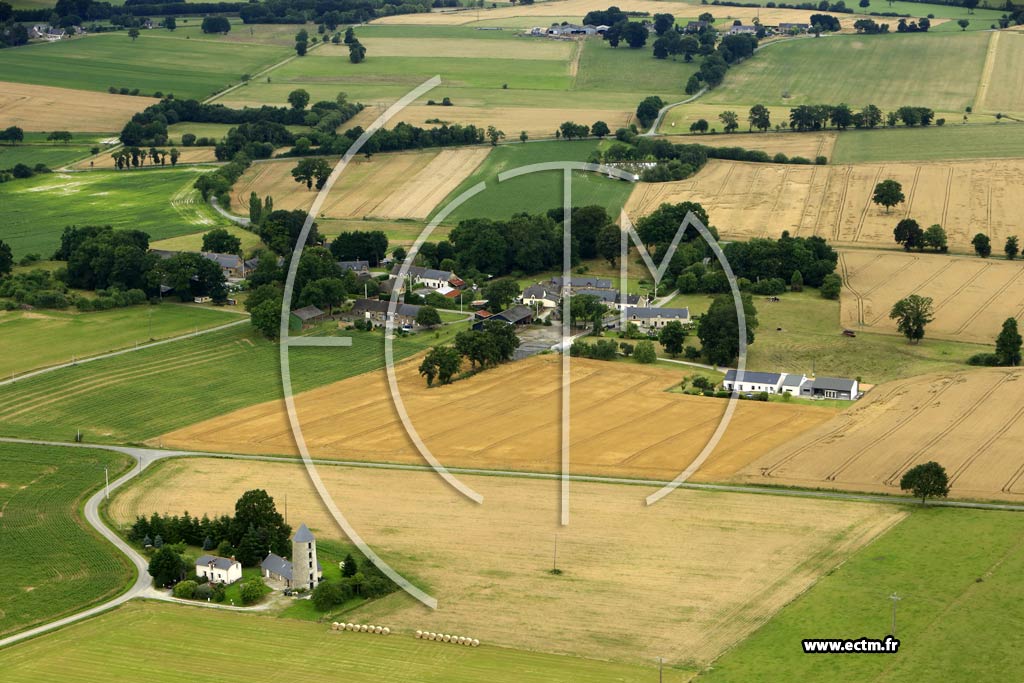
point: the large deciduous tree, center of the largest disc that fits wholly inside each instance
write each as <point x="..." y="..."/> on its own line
<point x="888" y="193"/>
<point x="1008" y="343"/>
<point x="926" y="479"/>
<point x="718" y="329"/>
<point x="912" y="314"/>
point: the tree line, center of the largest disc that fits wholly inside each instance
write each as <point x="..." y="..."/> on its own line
<point x="491" y="345"/>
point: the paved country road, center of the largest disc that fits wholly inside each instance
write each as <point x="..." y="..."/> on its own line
<point x="144" y="457"/>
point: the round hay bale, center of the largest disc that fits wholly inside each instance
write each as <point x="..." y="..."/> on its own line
<point x="447" y="638"/>
<point x="462" y="640"/>
<point x="334" y="626"/>
<point x="431" y="635"/>
<point x="419" y="634"/>
<point x="378" y="629"/>
<point x="370" y="627"/>
<point x="386" y="631"/>
<point x="362" y="628"/>
<point x="476" y="642"/>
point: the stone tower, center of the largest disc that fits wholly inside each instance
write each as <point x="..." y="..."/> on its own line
<point x="305" y="569"/>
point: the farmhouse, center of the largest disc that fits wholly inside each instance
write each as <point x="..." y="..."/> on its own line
<point x="695" y="26"/>
<point x="788" y="27"/>
<point x="831" y="387"/>
<point x="734" y="30"/>
<point x="231" y="265"/>
<point x="309" y="315"/>
<point x="303" y="571"/>
<point x="354" y="266"/>
<point x="768" y="382"/>
<point x="611" y="297"/>
<point x="430" y="277"/>
<point x="572" y="30"/>
<point x="218" y="569"/>
<point x="650" y="318"/>
<point x="377" y="311"/>
<point x="574" y="283"/>
<point x="517" y="315"/>
<point x="540" y="295"/>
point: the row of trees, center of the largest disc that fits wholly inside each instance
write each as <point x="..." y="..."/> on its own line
<point x="909" y="234"/>
<point x="494" y="343"/>
<point x="135" y="157"/>
<point x="255" y="529"/>
<point x="983" y="246"/>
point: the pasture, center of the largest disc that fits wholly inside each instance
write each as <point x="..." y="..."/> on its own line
<point x="1003" y="79"/>
<point x="957" y="572"/>
<point x="194" y="241"/>
<point x="624" y="422"/>
<point x="108" y="646"/>
<point x="971" y="296"/>
<point x="160" y="202"/>
<point x="157" y="61"/>
<point x="55" y="563"/>
<point x="940" y="71"/>
<point x="748" y="200"/>
<point x="53" y="156"/>
<point x="70" y="335"/>
<point x="399" y="185"/>
<point x="803" y="333"/>
<point x="951" y="142"/>
<point x="981" y="18"/>
<point x="539" y="191"/>
<point x="743" y="558"/>
<point x="966" y="421"/>
<point x="46" y="108"/>
<point x="143" y="394"/>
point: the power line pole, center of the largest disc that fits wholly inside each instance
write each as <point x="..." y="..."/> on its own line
<point x="895" y="598"/>
<point x="661" y="661"/>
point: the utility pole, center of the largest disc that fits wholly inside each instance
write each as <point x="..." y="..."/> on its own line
<point x="895" y="598"/>
<point x="661" y="660"/>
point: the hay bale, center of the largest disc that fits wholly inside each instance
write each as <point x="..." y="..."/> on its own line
<point x="362" y="628"/>
<point x="419" y="634"/>
<point x="378" y="629"/>
<point x="334" y="626"/>
<point x="385" y="631"/>
<point x="431" y="635"/>
<point x="462" y="640"/>
<point x="476" y="642"/>
<point x="447" y="638"/>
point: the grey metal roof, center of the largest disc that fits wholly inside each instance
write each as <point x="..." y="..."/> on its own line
<point x="307" y="313"/>
<point x="834" y="383"/>
<point x="354" y="265"/>
<point x="514" y="314"/>
<point x="217" y="561"/>
<point x="303" y="535"/>
<point x="595" y="282"/>
<point x="754" y="377"/>
<point x="540" y="292"/>
<point x="792" y="380"/>
<point x="421" y="272"/>
<point x="223" y="260"/>
<point x="610" y="296"/>
<point x="275" y="564"/>
<point x="648" y="313"/>
<point x="378" y="306"/>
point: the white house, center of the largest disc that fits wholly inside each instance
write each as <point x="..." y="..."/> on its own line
<point x="540" y="295"/>
<point x="303" y="570"/>
<point x="831" y="387"/>
<point x="650" y="318"/>
<point x="753" y="382"/>
<point x="431" y="277"/>
<point x="612" y="298"/>
<point x="219" y="569"/>
<point x="793" y="384"/>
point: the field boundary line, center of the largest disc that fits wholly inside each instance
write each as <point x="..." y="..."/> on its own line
<point x="981" y="94"/>
<point x="111" y="354"/>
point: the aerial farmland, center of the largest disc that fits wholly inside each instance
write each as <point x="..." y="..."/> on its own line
<point x="516" y="341"/>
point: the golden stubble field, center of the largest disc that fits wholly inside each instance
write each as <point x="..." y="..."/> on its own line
<point x="807" y="145"/>
<point x="971" y="296"/>
<point x="969" y="422"/>
<point x="623" y="422"/>
<point x="748" y="200"/>
<point x="683" y="579"/>
<point x="46" y="108"/>
<point x="388" y="186"/>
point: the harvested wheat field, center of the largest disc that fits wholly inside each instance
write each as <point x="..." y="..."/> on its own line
<point x="703" y="571"/>
<point x="578" y="8"/>
<point x="623" y="422"/>
<point x="387" y="186"/>
<point x="1004" y="66"/>
<point x="45" y="108"/>
<point x="971" y="296"/>
<point x="536" y="121"/>
<point x="967" y="422"/>
<point x="748" y="200"/>
<point x="807" y="145"/>
<point x="445" y="47"/>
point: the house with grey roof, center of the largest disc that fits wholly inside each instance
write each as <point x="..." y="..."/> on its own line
<point x="653" y="318"/>
<point x="734" y="30"/>
<point x="225" y="570"/>
<point x="377" y="311"/>
<point x="231" y="265"/>
<point x="580" y="282"/>
<point x="354" y="266"/>
<point x="303" y="570"/>
<point x="612" y="297"/>
<point x="430" y="277"/>
<point x="831" y="387"/>
<point x="541" y="295"/>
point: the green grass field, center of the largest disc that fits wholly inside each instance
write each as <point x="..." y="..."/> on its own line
<point x="51" y="155"/>
<point x="958" y="574"/>
<point x="158" y="201"/>
<point x="604" y="68"/>
<point x="54" y="563"/>
<point x="952" y="141"/>
<point x="41" y="338"/>
<point x="143" y="394"/>
<point x="189" y="643"/>
<point x="537" y="192"/>
<point x="158" y="61"/>
<point x="980" y="20"/>
<point x="940" y="71"/>
<point x="811" y="340"/>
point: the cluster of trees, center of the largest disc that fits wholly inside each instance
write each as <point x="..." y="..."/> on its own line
<point x="216" y="24"/>
<point x="494" y="343"/>
<point x="983" y="246"/>
<point x="920" y="26"/>
<point x="21" y="171"/>
<point x="718" y="329"/>
<point x="570" y="130"/>
<point x="715" y="64"/>
<point x="355" y="245"/>
<point x="358" y="580"/>
<point x="43" y="289"/>
<point x="870" y="27"/>
<point x="356" y="50"/>
<point x="810" y="257"/>
<point x="402" y="136"/>
<point x="255" y="528"/>
<point x="1008" y="348"/>
<point x="909" y="234"/>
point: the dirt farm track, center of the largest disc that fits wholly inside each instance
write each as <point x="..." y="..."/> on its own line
<point x="971" y="296"/>
<point x="747" y="200"/>
<point x="968" y="422"/>
<point x="623" y="422"/>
